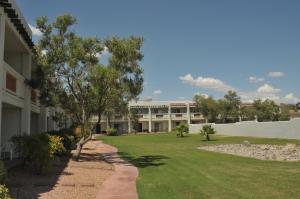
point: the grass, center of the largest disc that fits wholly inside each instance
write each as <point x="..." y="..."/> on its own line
<point x="171" y="167"/>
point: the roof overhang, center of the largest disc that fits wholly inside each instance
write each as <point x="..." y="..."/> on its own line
<point x="17" y="19"/>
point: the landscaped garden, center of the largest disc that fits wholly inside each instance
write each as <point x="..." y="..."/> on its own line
<point x="173" y="167"/>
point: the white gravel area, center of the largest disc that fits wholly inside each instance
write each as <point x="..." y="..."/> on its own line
<point x="288" y="152"/>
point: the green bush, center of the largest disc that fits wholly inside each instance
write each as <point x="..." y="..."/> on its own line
<point x="182" y="130"/>
<point x="4" y="193"/>
<point x="69" y="140"/>
<point x="206" y="131"/>
<point x="38" y="149"/>
<point x="111" y="132"/>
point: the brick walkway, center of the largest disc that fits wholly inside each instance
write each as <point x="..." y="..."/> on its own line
<point x="122" y="183"/>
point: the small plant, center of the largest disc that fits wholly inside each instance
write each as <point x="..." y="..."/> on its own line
<point x="4" y="193"/>
<point x="206" y="131"/>
<point x="182" y="130"/>
<point x="111" y="132"/>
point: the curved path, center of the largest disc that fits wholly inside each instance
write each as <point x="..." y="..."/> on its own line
<point x="122" y="183"/>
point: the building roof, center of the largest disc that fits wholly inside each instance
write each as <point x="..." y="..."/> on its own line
<point x="14" y="14"/>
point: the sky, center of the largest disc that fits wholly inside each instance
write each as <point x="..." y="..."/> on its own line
<point x="197" y="46"/>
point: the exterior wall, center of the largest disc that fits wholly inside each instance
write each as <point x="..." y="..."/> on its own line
<point x="10" y="124"/>
<point x="18" y="113"/>
<point x="282" y="129"/>
<point x="157" y="116"/>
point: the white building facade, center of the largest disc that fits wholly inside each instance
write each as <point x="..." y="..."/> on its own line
<point x="155" y="116"/>
<point x="21" y="111"/>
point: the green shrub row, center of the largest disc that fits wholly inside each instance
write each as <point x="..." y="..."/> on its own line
<point x="111" y="132"/>
<point x="38" y="149"/>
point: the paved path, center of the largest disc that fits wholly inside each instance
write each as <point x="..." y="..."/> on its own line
<point x="122" y="183"/>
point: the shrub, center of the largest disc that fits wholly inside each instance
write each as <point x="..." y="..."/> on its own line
<point x="4" y="193"/>
<point x="111" y="132"/>
<point x="38" y="149"/>
<point x="182" y="130"/>
<point x="206" y="131"/>
<point x="69" y="140"/>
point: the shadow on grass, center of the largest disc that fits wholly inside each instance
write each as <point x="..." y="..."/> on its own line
<point x="145" y="160"/>
<point x="211" y="140"/>
<point x="140" y="162"/>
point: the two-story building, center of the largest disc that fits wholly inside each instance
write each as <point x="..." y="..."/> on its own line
<point x="21" y="112"/>
<point x="155" y="116"/>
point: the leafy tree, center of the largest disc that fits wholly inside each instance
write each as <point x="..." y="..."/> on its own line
<point x="229" y="107"/>
<point x="266" y="110"/>
<point x="134" y="119"/>
<point x="284" y="114"/>
<point x="182" y="130"/>
<point x="206" y="131"/>
<point x="121" y="80"/>
<point x="247" y="113"/>
<point x="67" y="61"/>
<point x="207" y="106"/>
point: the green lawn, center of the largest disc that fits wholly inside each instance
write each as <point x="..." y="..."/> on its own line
<point x="171" y="167"/>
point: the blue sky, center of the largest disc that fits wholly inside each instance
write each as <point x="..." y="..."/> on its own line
<point x="198" y="46"/>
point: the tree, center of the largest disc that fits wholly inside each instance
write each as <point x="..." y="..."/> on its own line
<point x="67" y="61"/>
<point x="285" y="114"/>
<point x="134" y="119"/>
<point x="229" y="107"/>
<point x="247" y="113"/>
<point x="182" y="130"/>
<point x="266" y="110"/>
<point x="121" y="80"/>
<point x="206" y="131"/>
<point x="207" y="106"/>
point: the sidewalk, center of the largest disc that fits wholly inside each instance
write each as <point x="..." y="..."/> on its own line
<point x="122" y="183"/>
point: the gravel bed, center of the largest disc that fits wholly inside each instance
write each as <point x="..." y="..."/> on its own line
<point x="289" y="152"/>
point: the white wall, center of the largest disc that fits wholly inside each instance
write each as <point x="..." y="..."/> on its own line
<point x="11" y="123"/>
<point x="282" y="129"/>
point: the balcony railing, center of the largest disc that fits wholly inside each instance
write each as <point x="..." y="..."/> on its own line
<point x="179" y="115"/>
<point x="13" y="81"/>
<point x="160" y="116"/>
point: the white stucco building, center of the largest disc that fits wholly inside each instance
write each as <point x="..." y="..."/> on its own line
<point x="155" y="116"/>
<point x="21" y="112"/>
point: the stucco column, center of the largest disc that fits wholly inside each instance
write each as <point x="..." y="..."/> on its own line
<point x="170" y="119"/>
<point x="150" y="120"/>
<point x="188" y="112"/>
<point x="2" y="37"/>
<point x="129" y="121"/>
<point x="26" y="111"/>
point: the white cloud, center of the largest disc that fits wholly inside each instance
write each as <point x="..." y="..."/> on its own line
<point x="290" y="99"/>
<point x="181" y="98"/>
<point x="254" y="79"/>
<point x="35" y="31"/>
<point x="276" y="74"/>
<point x="157" y="92"/>
<point x="254" y="95"/>
<point x="268" y="89"/>
<point x="206" y="82"/>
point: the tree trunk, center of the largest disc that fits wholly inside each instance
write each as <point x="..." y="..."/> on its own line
<point x="80" y="144"/>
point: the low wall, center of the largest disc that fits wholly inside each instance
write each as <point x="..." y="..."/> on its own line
<point x="282" y="129"/>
